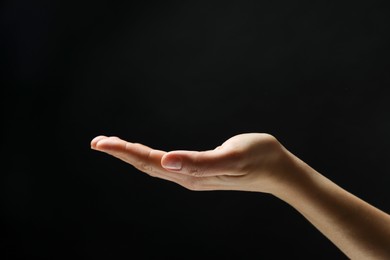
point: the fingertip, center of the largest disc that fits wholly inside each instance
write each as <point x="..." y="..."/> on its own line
<point x="96" y="140"/>
<point x="109" y="144"/>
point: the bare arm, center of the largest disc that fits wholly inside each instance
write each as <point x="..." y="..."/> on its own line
<point x="259" y="163"/>
<point x="357" y="228"/>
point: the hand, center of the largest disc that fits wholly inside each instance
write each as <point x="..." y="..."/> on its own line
<point x="248" y="162"/>
<point x="258" y="162"/>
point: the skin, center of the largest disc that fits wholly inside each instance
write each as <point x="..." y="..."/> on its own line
<point x="257" y="162"/>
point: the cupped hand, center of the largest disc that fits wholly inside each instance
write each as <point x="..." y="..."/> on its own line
<point x="247" y="162"/>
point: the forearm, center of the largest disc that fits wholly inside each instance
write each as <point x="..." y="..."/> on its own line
<point x="357" y="228"/>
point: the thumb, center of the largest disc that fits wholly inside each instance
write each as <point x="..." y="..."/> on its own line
<point x="199" y="164"/>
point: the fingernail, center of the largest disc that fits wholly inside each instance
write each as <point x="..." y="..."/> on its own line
<point x="172" y="164"/>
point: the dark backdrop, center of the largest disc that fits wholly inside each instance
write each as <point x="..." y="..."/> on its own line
<point x="184" y="75"/>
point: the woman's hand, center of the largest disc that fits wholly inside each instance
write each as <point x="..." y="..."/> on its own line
<point x="248" y="162"/>
<point x="258" y="162"/>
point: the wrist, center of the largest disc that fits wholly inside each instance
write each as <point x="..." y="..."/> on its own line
<point x="290" y="175"/>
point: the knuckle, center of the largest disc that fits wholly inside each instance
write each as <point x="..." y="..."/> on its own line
<point x="195" y="167"/>
<point x="143" y="163"/>
<point x="195" y="171"/>
<point x="146" y="167"/>
<point x="143" y="166"/>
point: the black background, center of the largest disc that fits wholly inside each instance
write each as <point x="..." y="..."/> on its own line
<point x="184" y="75"/>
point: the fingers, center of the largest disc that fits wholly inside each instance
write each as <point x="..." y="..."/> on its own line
<point x="190" y="169"/>
<point x="132" y="153"/>
<point x="142" y="157"/>
<point x="201" y="164"/>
